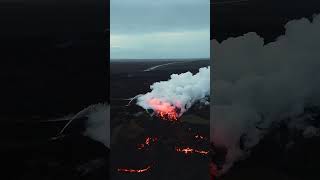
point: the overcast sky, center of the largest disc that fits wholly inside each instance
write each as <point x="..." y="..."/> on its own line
<point x="144" y="29"/>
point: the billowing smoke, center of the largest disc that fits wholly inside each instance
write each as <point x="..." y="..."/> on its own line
<point x="96" y="123"/>
<point x="176" y="95"/>
<point x="258" y="84"/>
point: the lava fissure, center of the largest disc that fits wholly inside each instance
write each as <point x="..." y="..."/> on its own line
<point x="189" y="150"/>
<point x="169" y="112"/>
<point x="127" y="170"/>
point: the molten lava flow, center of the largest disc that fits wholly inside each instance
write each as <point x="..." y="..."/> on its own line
<point x="150" y="139"/>
<point x="147" y="142"/>
<point x="191" y="151"/>
<point x="124" y="170"/>
<point x="164" y="110"/>
<point x="185" y="150"/>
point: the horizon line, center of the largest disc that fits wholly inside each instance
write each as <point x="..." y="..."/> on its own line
<point x="158" y="58"/>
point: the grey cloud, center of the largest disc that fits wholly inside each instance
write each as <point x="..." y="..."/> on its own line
<point x="150" y="16"/>
<point x="159" y="29"/>
<point x="257" y="84"/>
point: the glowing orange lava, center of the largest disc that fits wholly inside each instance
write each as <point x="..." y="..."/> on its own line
<point x="164" y="110"/>
<point x="199" y="137"/>
<point x="125" y="170"/>
<point x="191" y="151"/>
<point x="147" y="142"/>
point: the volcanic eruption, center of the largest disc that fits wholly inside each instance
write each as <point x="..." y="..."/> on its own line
<point x="165" y="110"/>
<point x="170" y="99"/>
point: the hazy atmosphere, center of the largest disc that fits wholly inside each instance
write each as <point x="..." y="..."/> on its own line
<point x="143" y="29"/>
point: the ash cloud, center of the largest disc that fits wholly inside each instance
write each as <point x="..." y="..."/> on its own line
<point x="258" y="84"/>
<point x="180" y="91"/>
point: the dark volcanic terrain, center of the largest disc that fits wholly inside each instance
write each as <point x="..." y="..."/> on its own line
<point x="132" y="126"/>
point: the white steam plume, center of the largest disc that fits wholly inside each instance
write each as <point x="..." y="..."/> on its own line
<point x="256" y="84"/>
<point x="97" y="123"/>
<point x="180" y="91"/>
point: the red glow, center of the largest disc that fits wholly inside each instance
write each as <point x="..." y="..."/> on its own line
<point x="147" y="142"/>
<point x="191" y="151"/>
<point x="125" y="170"/>
<point x="185" y="150"/>
<point x="164" y="110"/>
<point x="213" y="171"/>
<point x="140" y="146"/>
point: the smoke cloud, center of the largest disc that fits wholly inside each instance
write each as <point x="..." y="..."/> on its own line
<point x="97" y="123"/>
<point x="180" y="92"/>
<point x="258" y="84"/>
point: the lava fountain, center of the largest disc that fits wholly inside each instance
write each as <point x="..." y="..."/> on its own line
<point x="165" y="110"/>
